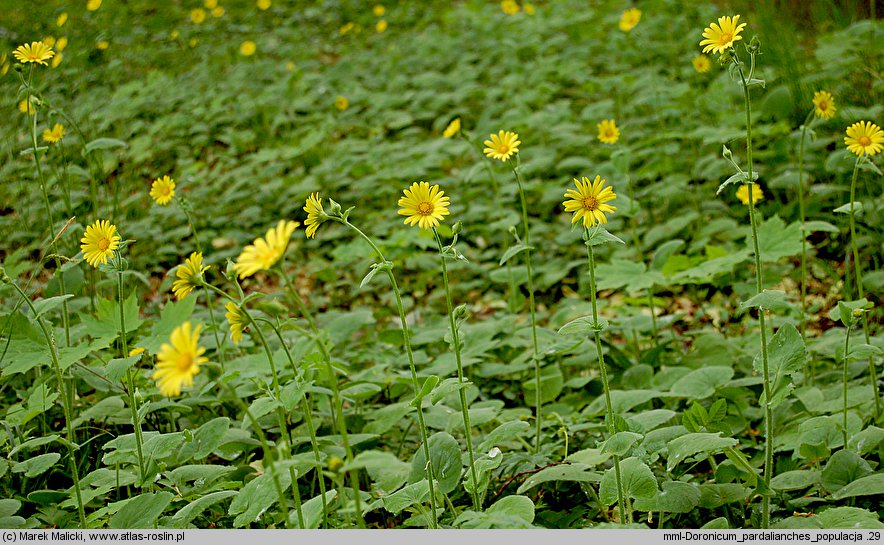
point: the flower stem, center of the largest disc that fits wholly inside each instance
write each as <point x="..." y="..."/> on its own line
<point x="844" y="381"/>
<point x="653" y="316"/>
<point x="802" y="219"/>
<point x="609" y="410"/>
<point x="455" y="338"/>
<point x="136" y="421"/>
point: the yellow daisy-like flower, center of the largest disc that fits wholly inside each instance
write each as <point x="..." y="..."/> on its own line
<point x="510" y="7"/>
<point x="93" y="5"/>
<point x="864" y="137"/>
<point x="162" y="190"/>
<point x="136" y="351"/>
<point x="179" y="362"/>
<point x="824" y="105"/>
<point x="589" y="201"/>
<point x="701" y="63"/>
<point x="381" y="26"/>
<point x="217" y="11"/>
<point x="263" y="5"/>
<point x="629" y="19"/>
<point x="502" y="145"/>
<point x="248" y="48"/>
<point x="452" y="129"/>
<point x="424" y="205"/>
<point x="25" y="107"/>
<point x="197" y="15"/>
<point x="56" y="60"/>
<point x="37" y="52"/>
<point x="189" y="275"/>
<point x="62" y="19"/>
<point x="315" y="214"/>
<point x="378" y="10"/>
<point x="341" y="103"/>
<point x="99" y="242"/>
<point x="238" y="320"/>
<point x="210" y="4"/>
<point x="743" y="194"/>
<point x="53" y="135"/>
<point x="102" y="44"/>
<point x="61" y="43"/>
<point x="608" y="131"/>
<point x="529" y="8"/>
<point x="721" y="36"/>
<point x="263" y="253"/>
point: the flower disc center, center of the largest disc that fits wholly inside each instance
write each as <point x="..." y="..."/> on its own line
<point x="590" y="203"/>
<point x="425" y="208"/>
<point x="864" y="141"/>
<point x="103" y="244"/>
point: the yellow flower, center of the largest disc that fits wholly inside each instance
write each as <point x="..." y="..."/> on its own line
<point x="238" y="320"/>
<point x="529" y="8"/>
<point x="136" y="351"/>
<point x="49" y="41"/>
<point x="248" y="48"/>
<point x="345" y="28"/>
<point x="290" y="66"/>
<point x="720" y="37"/>
<point x="198" y="15"/>
<point x="589" y="200"/>
<point x="5" y="68"/>
<point x="102" y="44"/>
<point x="174" y="34"/>
<point x="701" y="63"/>
<point x="264" y="253"/>
<point x="25" y="107"/>
<point x="864" y="137"/>
<point x="56" y="60"/>
<point x="743" y="194"/>
<point x="502" y="145"/>
<point x="608" y="131"/>
<point x="61" y="44"/>
<point x="179" y="362"/>
<point x="423" y="205"/>
<point x="217" y="11"/>
<point x="192" y="42"/>
<point x="629" y="19"/>
<point x="37" y="52"/>
<point x="93" y="5"/>
<point x="62" y="19"/>
<point x="189" y="275"/>
<point x="824" y="104"/>
<point x="341" y="103"/>
<point x="510" y="7"/>
<point x="54" y="135"/>
<point x="315" y="214"/>
<point x="381" y="26"/>
<point x="263" y="5"/>
<point x="99" y="242"/>
<point x="210" y="4"/>
<point x="162" y="190"/>
<point x="452" y="129"/>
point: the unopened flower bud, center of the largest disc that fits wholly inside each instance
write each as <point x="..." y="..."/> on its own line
<point x="458" y="228"/>
<point x="335" y="464"/>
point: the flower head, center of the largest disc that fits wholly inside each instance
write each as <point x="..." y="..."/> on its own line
<point x="238" y="320"/>
<point x="210" y="4"/>
<point x="608" y="131"/>
<point x="824" y="105"/>
<point x="510" y="7"/>
<point x="25" y="107"/>
<point x="263" y="5"/>
<point x="56" y="60"/>
<point x="743" y="194"/>
<point x="162" y="190"/>
<point x="315" y="214"/>
<point x="529" y="8"/>
<point x="378" y="10"/>
<point x="197" y="15"/>
<point x="218" y="11"/>
<point x="502" y="145"/>
<point x="589" y="201"/>
<point x="136" y="351"/>
<point x="62" y="19"/>
<point x="189" y="275"/>
<point x="341" y="103"/>
<point x="55" y="134"/>
<point x="629" y="19"/>
<point x="248" y="48"/>
<point x="721" y="37"/>
<point x="179" y="362"/>
<point x="381" y="26"/>
<point x="61" y="43"/>
<point x="452" y="129"/>
<point x="93" y="5"/>
<point x="263" y="253"/>
<point x="36" y="52"/>
<point x="102" y="45"/>
<point x="423" y="205"/>
<point x="701" y="63"/>
<point x="99" y="242"/>
<point x="864" y="137"/>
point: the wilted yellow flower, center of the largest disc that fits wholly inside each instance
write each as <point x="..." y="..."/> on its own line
<point x="93" y="5"/>
<point x="864" y="137"/>
<point x="99" y="242"/>
<point x="452" y="129"/>
<point x="263" y="253"/>
<point x="381" y="26"/>
<point x="238" y="320"/>
<point x="62" y="19"/>
<point x="37" y="52"/>
<point x="217" y="11"/>
<point x="56" y="60"/>
<point x="824" y="104"/>
<point x="608" y="131"/>
<point x="378" y="10"/>
<point x="189" y="276"/>
<point x="102" y="44"/>
<point x="341" y="103"/>
<point x="210" y="4"/>
<point x="315" y="214"/>
<point x="701" y="63"/>
<point x="502" y="145"/>
<point x="61" y="43"/>
<point x="136" y="351"/>
<point x="529" y="8"/>
<point x="24" y="107"/>
<point x="720" y="37"/>
<point x="629" y="19"/>
<point x="179" y="362"/>
<point x="589" y="201"/>
<point x="510" y="7"/>
<point x="248" y="48"/>
<point x="263" y="5"/>
<point x="162" y="190"/>
<point x="54" y="135"/>
<point x="743" y="194"/>
<point x="423" y="205"/>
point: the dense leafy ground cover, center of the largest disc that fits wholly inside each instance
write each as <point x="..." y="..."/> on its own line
<point x="709" y="362"/>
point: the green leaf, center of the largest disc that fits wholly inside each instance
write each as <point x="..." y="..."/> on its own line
<point x="508" y="431"/>
<point x="37" y="465"/>
<point x="205" y="440"/>
<point x="445" y="456"/>
<point x="767" y="299"/>
<point x="776" y="241"/>
<point x="116" y="368"/>
<point x="849" y="518"/>
<point x="632" y="275"/>
<point x="583" y="326"/>
<point x="428" y="386"/>
<point x="702" y="383"/>
<point x="520" y="507"/>
<point x="411" y="494"/>
<point x="600" y="235"/>
<point x="676" y="497"/>
<point x="713" y="496"/>
<point x="785" y="357"/>
<point x="173" y="315"/>
<point x="563" y="472"/>
<point x="795" y="480"/>
<point x="257" y="496"/>
<point x="815" y="226"/>
<point x="513" y="251"/>
<point x="312" y="511"/>
<point x="870" y="485"/>
<point x="845" y="209"/>
<point x="621" y="443"/>
<point x="692" y="444"/>
<point x="448" y="387"/>
<point x="638" y="481"/>
<point x="141" y="511"/>
<point x="844" y="467"/>
<point x="386" y="470"/>
<point x="45" y="305"/>
<point x="738" y="178"/>
<point x="104" y="143"/>
<point x="835" y="313"/>
<point x="106" y="323"/>
<point x="182" y="518"/>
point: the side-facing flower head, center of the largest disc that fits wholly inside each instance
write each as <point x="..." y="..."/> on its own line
<point x="179" y="362"/>
<point x="608" y="131"/>
<point x="423" y="205"/>
<point x="743" y="194"/>
<point x="701" y="63"/>
<point x="93" y="5"/>
<point x="163" y="190"/>
<point x="315" y="214"/>
<point x="197" y="15"/>
<point x="26" y="107"/>
<point x="824" y="105"/>
<point x="36" y="52"/>
<point x="263" y="253"/>
<point x="189" y="275"/>
<point x="721" y="37"/>
<point x="629" y="19"/>
<point x="510" y="7"/>
<point x="502" y="145"/>
<point x="238" y="320"/>
<point x="589" y="201"/>
<point x="452" y="129"/>
<point x="99" y="242"/>
<point x="864" y="138"/>
<point x="54" y="135"/>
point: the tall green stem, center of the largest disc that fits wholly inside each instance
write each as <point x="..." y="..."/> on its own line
<point x="455" y="338"/>
<point x="136" y="421"/>
<point x="844" y="383"/>
<point x="802" y="219"/>
<point x="653" y="316"/>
